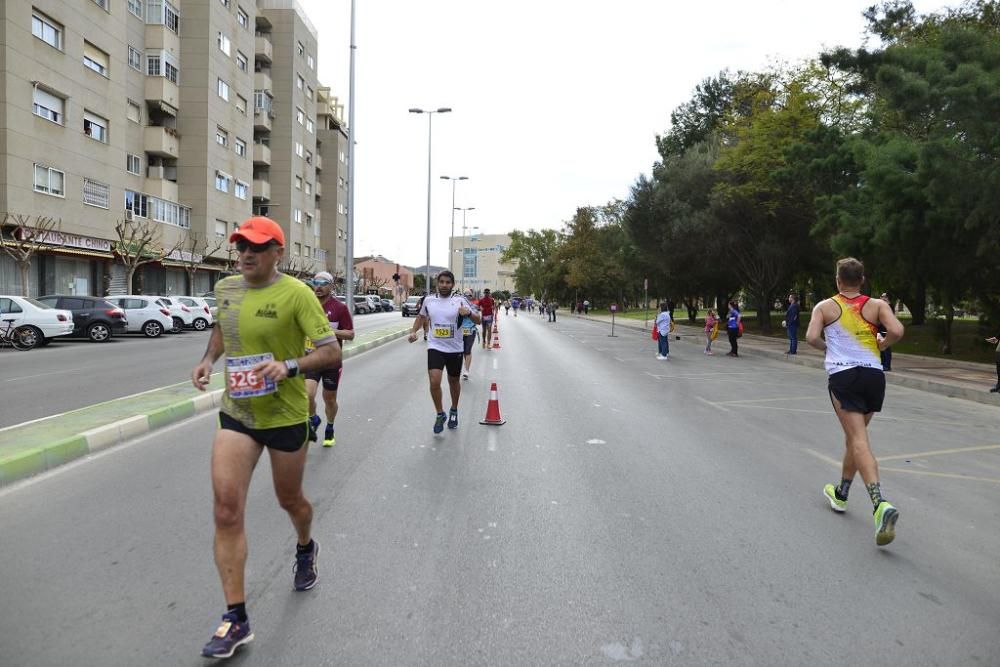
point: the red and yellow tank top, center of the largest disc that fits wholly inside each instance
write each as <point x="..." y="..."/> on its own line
<point x="850" y="339"/>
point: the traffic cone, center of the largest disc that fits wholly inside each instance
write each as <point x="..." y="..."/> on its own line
<point x="496" y="340"/>
<point x="493" y="417"/>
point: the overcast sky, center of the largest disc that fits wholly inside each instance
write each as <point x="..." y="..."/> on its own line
<point x="557" y="103"/>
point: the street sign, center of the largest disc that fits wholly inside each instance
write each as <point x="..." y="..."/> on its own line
<point x="645" y="283"/>
<point x="614" y="308"/>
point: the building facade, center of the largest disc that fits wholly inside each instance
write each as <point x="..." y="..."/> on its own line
<point x="331" y="153"/>
<point x="180" y="116"/>
<point x="375" y="273"/>
<point x="476" y="262"/>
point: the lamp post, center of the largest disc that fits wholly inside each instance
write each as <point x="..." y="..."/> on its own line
<point x="351" y="136"/>
<point x="451" y="243"/>
<point x="464" y="227"/>
<point x="430" y="116"/>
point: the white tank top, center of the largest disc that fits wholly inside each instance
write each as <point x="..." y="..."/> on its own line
<point x="850" y="339"/>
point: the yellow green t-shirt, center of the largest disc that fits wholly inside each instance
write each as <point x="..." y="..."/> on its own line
<point x="267" y="322"/>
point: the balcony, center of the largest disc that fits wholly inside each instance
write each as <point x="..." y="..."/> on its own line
<point x="161" y="91"/>
<point x="261" y="154"/>
<point x="161" y="142"/>
<point x="318" y="189"/>
<point x="322" y="108"/>
<point x="263" y="50"/>
<point x="319" y="162"/>
<point x="159" y="37"/>
<point x="262" y="80"/>
<point x="261" y="120"/>
<point x="162" y="188"/>
<point x="261" y="189"/>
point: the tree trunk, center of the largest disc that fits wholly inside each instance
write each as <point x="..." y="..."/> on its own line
<point x="949" y="318"/>
<point x="692" y="308"/>
<point x="128" y="280"/>
<point x="764" y="313"/>
<point x="25" y="269"/>
<point x="918" y="304"/>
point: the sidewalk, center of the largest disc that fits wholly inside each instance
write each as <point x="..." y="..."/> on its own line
<point x="957" y="379"/>
<point x="33" y="447"/>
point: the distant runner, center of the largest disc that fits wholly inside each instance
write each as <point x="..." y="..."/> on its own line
<point x="487" y="310"/>
<point x="343" y="327"/>
<point x="469" y="331"/>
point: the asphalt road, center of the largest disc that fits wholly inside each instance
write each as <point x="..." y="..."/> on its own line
<point x="71" y="374"/>
<point x="629" y="510"/>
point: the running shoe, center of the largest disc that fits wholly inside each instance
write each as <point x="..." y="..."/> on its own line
<point x="465" y="375"/>
<point x="885" y="523"/>
<point x="836" y="504"/>
<point x="306" y="572"/>
<point x="439" y="421"/>
<point x="453" y="418"/>
<point x="230" y="636"/>
<point x="313" y="425"/>
<point x="328" y="439"/>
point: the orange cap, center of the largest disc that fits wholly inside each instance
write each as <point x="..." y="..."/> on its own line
<point x="259" y="229"/>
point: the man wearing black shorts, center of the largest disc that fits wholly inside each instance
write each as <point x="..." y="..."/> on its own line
<point x="263" y="321"/>
<point x="343" y="328"/>
<point x="487" y="309"/>
<point x="443" y="313"/>
<point x="846" y="327"/>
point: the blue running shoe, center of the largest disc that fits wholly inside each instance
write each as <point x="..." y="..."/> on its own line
<point x="439" y="422"/>
<point x="306" y="572"/>
<point x="453" y="418"/>
<point x="313" y="425"/>
<point x="230" y="636"/>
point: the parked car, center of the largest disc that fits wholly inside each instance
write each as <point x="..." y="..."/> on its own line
<point x="94" y="317"/>
<point x="387" y="306"/>
<point x="145" y="314"/>
<point x="362" y="305"/>
<point x="202" y="312"/>
<point x="374" y="303"/>
<point x="42" y="320"/>
<point x="411" y="306"/>
<point x="183" y="316"/>
<point x="212" y="308"/>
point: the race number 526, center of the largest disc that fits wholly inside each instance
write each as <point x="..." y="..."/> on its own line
<point x="244" y="381"/>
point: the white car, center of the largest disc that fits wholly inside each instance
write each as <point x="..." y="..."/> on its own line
<point x="203" y="317"/>
<point x="212" y="308"/>
<point x="183" y="316"/>
<point x="45" y="321"/>
<point x="144" y="313"/>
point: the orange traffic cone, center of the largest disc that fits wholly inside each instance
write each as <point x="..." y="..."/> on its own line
<point x="493" y="417"/>
<point x="496" y="340"/>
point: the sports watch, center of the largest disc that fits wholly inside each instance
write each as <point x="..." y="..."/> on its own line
<point x="292" y="366"/>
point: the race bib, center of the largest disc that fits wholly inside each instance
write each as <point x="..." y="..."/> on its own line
<point x="468" y="331"/>
<point x="243" y="381"/>
<point x="443" y="330"/>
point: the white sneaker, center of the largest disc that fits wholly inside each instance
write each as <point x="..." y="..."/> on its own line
<point x="465" y="376"/>
<point x="660" y="356"/>
<point x="665" y="358"/>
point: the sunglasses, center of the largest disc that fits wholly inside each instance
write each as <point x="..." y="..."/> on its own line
<point x="320" y="283"/>
<point x="242" y="245"/>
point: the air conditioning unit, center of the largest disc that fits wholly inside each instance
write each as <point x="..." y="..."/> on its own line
<point x="128" y="215"/>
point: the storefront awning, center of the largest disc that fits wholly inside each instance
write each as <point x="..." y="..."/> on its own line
<point x="68" y="251"/>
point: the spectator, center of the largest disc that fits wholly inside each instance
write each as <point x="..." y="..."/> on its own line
<point x="996" y="341"/>
<point x="663" y="330"/>
<point x="552" y="306"/>
<point x="586" y="306"/>
<point x="733" y="321"/>
<point x="791" y="324"/>
<point x="711" y="330"/>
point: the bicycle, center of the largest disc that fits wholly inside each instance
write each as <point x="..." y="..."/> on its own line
<point x="20" y="338"/>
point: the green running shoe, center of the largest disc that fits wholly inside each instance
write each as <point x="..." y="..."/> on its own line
<point x="886" y="517"/>
<point x="836" y="504"/>
<point x="328" y="439"/>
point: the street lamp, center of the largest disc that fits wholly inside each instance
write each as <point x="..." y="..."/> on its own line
<point x="464" y="227"/>
<point x="451" y="243"/>
<point x="430" y="116"/>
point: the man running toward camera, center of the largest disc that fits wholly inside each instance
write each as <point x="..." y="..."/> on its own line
<point x="444" y="312"/>
<point x="846" y="327"/>
<point x="264" y="318"/>
<point x="487" y="310"/>
<point x="342" y="324"/>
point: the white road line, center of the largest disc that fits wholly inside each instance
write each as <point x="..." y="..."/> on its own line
<point x="495" y="363"/>
<point x="60" y="372"/>
<point x="713" y="405"/>
<point x="491" y="440"/>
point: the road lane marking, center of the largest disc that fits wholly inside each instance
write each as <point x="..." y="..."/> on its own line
<point x="779" y="398"/>
<point x="938" y="452"/>
<point x="495" y="363"/>
<point x="909" y="471"/>
<point x="491" y="440"/>
<point x="713" y="405"/>
<point x="822" y="457"/>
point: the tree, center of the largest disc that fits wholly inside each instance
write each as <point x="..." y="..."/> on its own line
<point x="195" y="247"/>
<point x="139" y="243"/>
<point x="25" y="240"/>
<point x="297" y="267"/>
<point x="537" y="270"/>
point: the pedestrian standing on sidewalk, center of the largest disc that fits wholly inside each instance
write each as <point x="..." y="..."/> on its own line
<point x="263" y="321"/>
<point x="552" y="310"/>
<point x="792" y="324"/>
<point x="711" y="324"/>
<point x="733" y="320"/>
<point x="845" y="327"/>
<point x="993" y="340"/>
<point x="662" y="325"/>
<point x="887" y="352"/>
<point x="586" y="307"/>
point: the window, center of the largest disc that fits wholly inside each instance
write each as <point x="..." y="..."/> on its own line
<point x="161" y="63"/>
<point x="299" y="48"/>
<point x="96" y="194"/>
<point x="297" y="215"/>
<point x="340" y="208"/>
<point x="298" y="182"/>
<point x="262" y="101"/>
<point x="340" y="181"/>
<point x="95" y="59"/>
<point x="225" y="3"/>
<point x="135" y="6"/>
<point x="298" y="248"/>
<point x="162" y="12"/>
<point x="222" y="181"/>
<point x="46" y="29"/>
<point x="47" y="105"/>
<point x="220" y="228"/>
<point x="223" y="43"/>
<point x="309" y="221"/>
<point x="343" y="158"/>
<point x="153" y="65"/>
<point x="134" y="58"/>
<point x="308" y="251"/>
<point x="299" y="150"/>
<point x="169" y="212"/>
<point x="241" y="147"/>
<point x="242" y="62"/>
<point x="243" y="18"/>
<point x="95" y="127"/>
<point x="300" y="116"/>
<point x="49" y="181"/>
<point x="309" y="188"/>
<point x="309" y="157"/>
<point x="223" y="90"/>
<point x="311" y="61"/>
<point x="221" y="137"/>
<point x="137" y="203"/>
<point x="299" y="81"/>
<point x="103" y="4"/>
<point x="242" y="189"/>
<point x="241" y="104"/>
<point x="309" y="93"/>
<point x="133" y="164"/>
<point x="133" y="112"/>
<point x="309" y="125"/>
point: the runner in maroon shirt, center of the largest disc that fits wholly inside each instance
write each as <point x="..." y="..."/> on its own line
<point x="343" y="326"/>
<point x="486" y="308"/>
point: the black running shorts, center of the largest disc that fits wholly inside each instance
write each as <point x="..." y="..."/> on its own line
<point x="859" y="389"/>
<point x="283" y="438"/>
<point x="469" y="341"/>
<point x="436" y="360"/>
<point x="329" y="376"/>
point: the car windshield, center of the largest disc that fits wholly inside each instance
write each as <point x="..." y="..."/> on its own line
<point x="38" y="304"/>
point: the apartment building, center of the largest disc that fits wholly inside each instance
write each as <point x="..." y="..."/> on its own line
<point x="186" y="115"/>
<point x="476" y="262"/>
<point x="332" y="150"/>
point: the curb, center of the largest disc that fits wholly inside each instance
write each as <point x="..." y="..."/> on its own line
<point x="33" y="461"/>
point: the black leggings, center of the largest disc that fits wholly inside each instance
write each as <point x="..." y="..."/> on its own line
<point x="734" y="335"/>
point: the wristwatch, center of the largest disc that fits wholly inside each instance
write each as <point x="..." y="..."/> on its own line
<point x="292" y="366"/>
